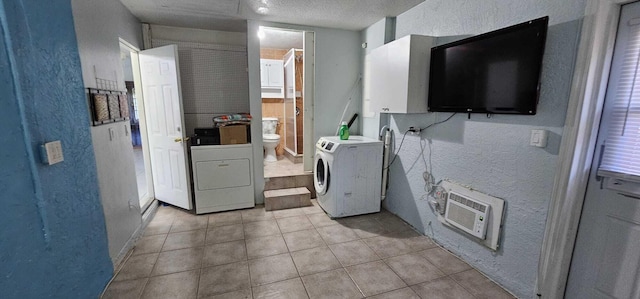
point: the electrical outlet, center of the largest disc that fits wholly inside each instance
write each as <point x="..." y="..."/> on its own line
<point x="414" y="130"/>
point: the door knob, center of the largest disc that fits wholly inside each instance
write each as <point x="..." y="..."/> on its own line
<point x="181" y="140"/>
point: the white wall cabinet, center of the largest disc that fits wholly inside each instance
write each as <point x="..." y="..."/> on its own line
<point x="397" y="76"/>
<point x="272" y="78"/>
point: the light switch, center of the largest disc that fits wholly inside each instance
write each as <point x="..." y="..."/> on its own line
<point x="52" y="152"/>
<point x="538" y="138"/>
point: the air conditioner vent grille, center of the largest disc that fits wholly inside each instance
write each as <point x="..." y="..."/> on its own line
<point x="467" y="214"/>
<point x="469" y="203"/>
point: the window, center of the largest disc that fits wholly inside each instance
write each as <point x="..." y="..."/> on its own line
<point x="620" y="160"/>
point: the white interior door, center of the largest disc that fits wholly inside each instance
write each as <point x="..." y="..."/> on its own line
<point x="606" y="258"/>
<point x="164" y="113"/>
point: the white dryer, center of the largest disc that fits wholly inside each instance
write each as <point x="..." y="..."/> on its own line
<point x="348" y="175"/>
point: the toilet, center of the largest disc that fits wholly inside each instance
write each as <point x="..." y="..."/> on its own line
<point x="270" y="139"/>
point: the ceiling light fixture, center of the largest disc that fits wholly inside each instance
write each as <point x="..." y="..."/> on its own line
<point x="263" y="10"/>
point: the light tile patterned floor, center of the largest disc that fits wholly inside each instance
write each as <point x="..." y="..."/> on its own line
<point x="282" y="167"/>
<point x="295" y="253"/>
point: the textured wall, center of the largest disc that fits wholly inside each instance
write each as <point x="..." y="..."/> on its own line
<point x="98" y="25"/>
<point x="491" y="155"/>
<point x="53" y="238"/>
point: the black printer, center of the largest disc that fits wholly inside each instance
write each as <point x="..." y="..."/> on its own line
<point x="211" y="136"/>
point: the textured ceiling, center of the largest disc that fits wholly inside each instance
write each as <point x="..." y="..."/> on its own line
<point x="281" y="39"/>
<point x="231" y="15"/>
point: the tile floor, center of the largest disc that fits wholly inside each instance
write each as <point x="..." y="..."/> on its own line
<point x="282" y="167"/>
<point x="295" y="253"/>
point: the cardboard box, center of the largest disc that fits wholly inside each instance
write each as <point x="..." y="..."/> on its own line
<point x="235" y="134"/>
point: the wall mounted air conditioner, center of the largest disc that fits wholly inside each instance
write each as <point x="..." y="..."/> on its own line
<point x="467" y="214"/>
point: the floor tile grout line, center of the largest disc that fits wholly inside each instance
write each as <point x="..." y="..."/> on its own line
<point x="361" y="239"/>
<point x="354" y="282"/>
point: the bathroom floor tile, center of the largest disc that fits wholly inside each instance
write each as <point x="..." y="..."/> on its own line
<point x="223" y="279"/>
<point x="227" y="233"/>
<point x="441" y="288"/>
<point x="126" y="289"/>
<point x="295" y="223"/>
<point x="479" y="285"/>
<point x="271" y="269"/>
<point x="287" y="289"/>
<point x="225" y="218"/>
<point x="194" y="238"/>
<point x="337" y="234"/>
<point x="445" y="261"/>
<point x="251" y="253"/>
<point x="265" y="246"/>
<point x="303" y="239"/>
<point x="224" y="253"/>
<point x="287" y="213"/>
<point x="178" y="261"/>
<point x="138" y="266"/>
<point x="413" y="268"/>
<point x="256" y="214"/>
<point x="184" y="223"/>
<point x="331" y="285"/>
<point x="311" y="261"/>
<point x="405" y="293"/>
<point x="261" y="229"/>
<point x="375" y="278"/>
<point x="353" y="253"/>
<point x="321" y="219"/>
<point x="149" y="244"/>
<point x="387" y="246"/>
<point x="183" y="285"/>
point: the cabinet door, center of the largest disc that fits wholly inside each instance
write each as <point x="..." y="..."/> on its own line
<point x="378" y="82"/>
<point x="276" y="73"/>
<point x="397" y="72"/>
<point x="264" y="73"/>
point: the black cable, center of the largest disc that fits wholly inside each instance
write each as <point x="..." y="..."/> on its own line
<point x="398" y="151"/>
<point x="405" y="135"/>
<point x="433" y="124"/>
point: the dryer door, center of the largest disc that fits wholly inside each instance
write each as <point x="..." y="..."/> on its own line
<point x="321" y="175"/>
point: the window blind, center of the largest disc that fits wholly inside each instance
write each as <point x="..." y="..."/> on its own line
<point x="621" y="157"/>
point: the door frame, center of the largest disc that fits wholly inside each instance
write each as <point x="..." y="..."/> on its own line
<point x="586" y="101"/>
<point x="255" y="97"/>
<point x="137" y="81"/>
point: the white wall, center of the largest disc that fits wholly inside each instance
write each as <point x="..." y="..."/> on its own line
<point x="213" y="72"/>
<point x="198" y="35"/>
<point x="491" y="155"/>
<point x="99" y="24"/>
<point x="337" y="67"/>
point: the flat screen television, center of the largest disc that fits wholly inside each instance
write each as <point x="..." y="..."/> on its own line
<point x="495" y="72"/>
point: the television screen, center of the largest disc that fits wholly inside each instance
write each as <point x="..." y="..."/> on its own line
<point x="495" y="72"/>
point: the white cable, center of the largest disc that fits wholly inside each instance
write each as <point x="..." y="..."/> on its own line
<point x="353" y="89"/>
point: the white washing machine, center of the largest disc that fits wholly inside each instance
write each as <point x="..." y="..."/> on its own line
<point x="348" y="175"/>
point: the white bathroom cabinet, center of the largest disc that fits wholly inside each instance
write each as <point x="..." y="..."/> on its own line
<point x="397" y="76"/>
<point x="272" y="78"/>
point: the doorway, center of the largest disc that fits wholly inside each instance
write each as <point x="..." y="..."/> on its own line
<point x="606" y="259"/>
<point x="282" y="70"/>
<point x="139" y="140"/>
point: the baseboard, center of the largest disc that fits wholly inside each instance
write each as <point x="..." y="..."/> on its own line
<point x="137" y="234"/>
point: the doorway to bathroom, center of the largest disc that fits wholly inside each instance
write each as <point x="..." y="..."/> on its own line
<point x="282" y="69"/>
